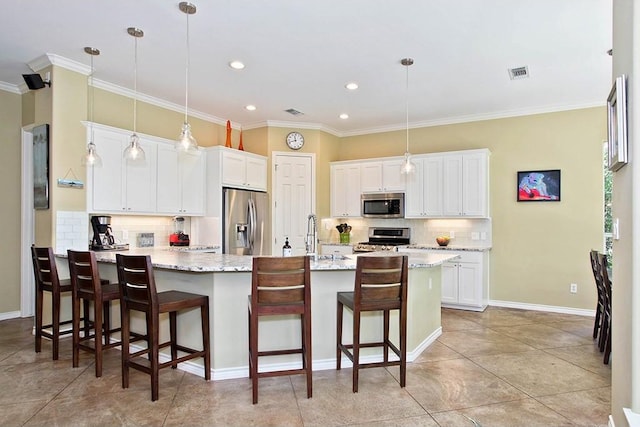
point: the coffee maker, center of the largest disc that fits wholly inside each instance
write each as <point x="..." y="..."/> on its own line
<point x="103" y="239"/>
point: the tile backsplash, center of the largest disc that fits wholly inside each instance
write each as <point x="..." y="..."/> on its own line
<point x="72" y="231"/>
<point x="127" y="228"/>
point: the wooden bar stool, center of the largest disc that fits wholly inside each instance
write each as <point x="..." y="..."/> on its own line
<point x="380" y="285"/>
<point x="46" y="279"/>
<point x="605" y="329"/>
<point x="138" y="292"/>
<point x="596" y="268"/>
<point x="280" y="286"/>
<point x="87" y="286"/>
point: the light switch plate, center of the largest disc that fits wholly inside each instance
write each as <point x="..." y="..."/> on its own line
<point x="616" y="229"/>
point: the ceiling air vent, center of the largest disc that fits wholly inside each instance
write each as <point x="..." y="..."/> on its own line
<point x="518" y="73"/>
<point x="294" y="112"/>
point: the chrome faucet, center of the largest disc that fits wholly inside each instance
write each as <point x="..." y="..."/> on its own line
<point x="311" y="240"/>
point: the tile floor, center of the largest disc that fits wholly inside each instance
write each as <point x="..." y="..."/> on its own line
<point x="502" y="367"/>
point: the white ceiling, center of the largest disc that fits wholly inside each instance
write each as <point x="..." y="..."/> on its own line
<point x="300" y="54"/>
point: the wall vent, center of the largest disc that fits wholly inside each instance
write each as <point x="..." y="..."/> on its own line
<point x="519" y="73"/>
<point x="294" y="112"/>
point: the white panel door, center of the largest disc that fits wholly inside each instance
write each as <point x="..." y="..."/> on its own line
<point x="141" y="181"/>
<point x="109" y="179"/>
<point x="452" y="185"/>
<point x="470" y="284"/>
<point x="293" y="200"/>
<point x="192" y="180"/>
<point x="433" y="194"/>
<point x="450" y="283"/>
<point x="474" y="184"/>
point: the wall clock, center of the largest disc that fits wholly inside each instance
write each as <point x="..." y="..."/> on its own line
<point x="295" y="140"/>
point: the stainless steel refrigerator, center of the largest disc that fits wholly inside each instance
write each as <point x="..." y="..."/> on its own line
<point x="245" y="221"/>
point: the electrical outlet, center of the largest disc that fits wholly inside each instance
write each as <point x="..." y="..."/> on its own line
<point x="483" y="235"/>
<point x="452" y="234"/>
<point x="475" y="235"/>
<point x="430" y="283"/>
<point x="574" y="288"/>
<point x="125" y="234"/>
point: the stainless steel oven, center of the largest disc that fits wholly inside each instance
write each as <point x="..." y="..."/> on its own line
<point x="382" y="205"/>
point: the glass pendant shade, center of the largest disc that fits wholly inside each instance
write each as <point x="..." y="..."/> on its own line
<point x="134" y="152"/>
<point x="407" y="166"/>
<point x="186" y="141"/>
<point x="91" y="157"/>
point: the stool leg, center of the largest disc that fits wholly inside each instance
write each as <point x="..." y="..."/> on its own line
<point x="106" y="314"/>
<point x="39" y="305"/>
<point x="206" y="345"/>
<point x="174" y="336"/>
<point x="85" y="316"/>
<point x="97" y="327"/>
<point x="403" y="347"/>
<point x="75" y="317"/>
<point x="249" y="331"/>
<point x="307" y="353"/>
<point x="253" y="345"/>
<point x="124" y="331"/>
<point x="356" y="348"/>
<point x="385" y="340"/>
<point x="55" y="314"/>
<point x="155" y="350"/>
<point x="339" y="336"/>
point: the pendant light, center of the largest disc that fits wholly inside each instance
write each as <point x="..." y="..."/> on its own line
<point x="186" y="141"/>
<point x="407" y="167"/>
<point x="91" y="157"/>
<point x="134" y="152"/>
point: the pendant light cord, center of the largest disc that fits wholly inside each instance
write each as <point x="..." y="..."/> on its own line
<point x="91" y="98"/>
<point x="407" y="105"/>
<point x="186" y="91"/>
<point x="135" y="84"/>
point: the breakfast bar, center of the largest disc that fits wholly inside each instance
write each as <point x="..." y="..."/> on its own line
<point x="226" y="280"/>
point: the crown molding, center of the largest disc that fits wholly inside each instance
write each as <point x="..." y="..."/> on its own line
<point x="49" y="59"/>
<point x="11" y="88"/>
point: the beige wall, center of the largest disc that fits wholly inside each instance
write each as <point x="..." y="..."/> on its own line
<point x="625" y="360"/>
<point x="10" y="176"/>
<point x="538" y="248"/>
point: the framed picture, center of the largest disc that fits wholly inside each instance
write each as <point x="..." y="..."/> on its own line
<point x="41" y="167"/>
<point x="617" y="124"/>
<point x="539" y="186"/>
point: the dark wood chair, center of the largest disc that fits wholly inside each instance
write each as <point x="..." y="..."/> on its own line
<point x="605" y="334"/>
<point x="380" y="285"/>
<point x="280" y="286"/>
<point x="87" y="287"/>
<point x="46" y="279"/>
<point x="596" y="268"/>
<point x="138" y="292"/>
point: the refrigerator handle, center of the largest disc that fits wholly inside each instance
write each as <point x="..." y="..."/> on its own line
<point x="252" y="220"/>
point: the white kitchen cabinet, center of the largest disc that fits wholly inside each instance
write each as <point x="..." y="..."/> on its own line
<point x="181" y="181"/>
<point x="424" y="194"/>
<point x="466" y="184"/>
<point x="328" y="249"/>
<point x="345" y="190"/>
<point x="243" y="170"/>
<point x="119" y="186"/>
<point x="382" y="176"/>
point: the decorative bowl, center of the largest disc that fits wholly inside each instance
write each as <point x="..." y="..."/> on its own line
<point x="443" y="240"/>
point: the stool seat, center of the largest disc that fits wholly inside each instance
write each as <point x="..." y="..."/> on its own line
<point x="380" y="285"/>
<point x="138" y="293"/>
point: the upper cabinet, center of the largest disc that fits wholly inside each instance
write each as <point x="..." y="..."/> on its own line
<point x="454" y="184"/>
<point x="119" y="186"/>
<point x="382" y="176"/>
<point x="243" y="170"/>
<point x="345" y="190"/>
<point x="181" y="179"/>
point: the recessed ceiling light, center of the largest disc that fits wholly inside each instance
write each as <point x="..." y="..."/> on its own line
<point x="236" y="65"/>
<point x="250" y="107"/>
<point x="344" y="116"/>
<point x="351" y="86"/>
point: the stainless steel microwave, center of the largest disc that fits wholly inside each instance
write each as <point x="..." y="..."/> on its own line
<point x="382" y="205"/>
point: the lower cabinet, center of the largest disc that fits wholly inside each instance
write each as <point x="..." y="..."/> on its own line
<point x="328" y="249"/>
<point x="465" y="282"/>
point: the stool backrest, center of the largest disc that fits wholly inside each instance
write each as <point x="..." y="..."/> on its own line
<point x="83" y="271"/>
<point x="606" y="281"/>
<point x="137" y="282"/>
<point x="381" y="278"/>
<point x="280" y="280"/>
<point x="44" y="267"/>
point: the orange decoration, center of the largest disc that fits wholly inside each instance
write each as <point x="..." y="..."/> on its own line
<point x="228" y="143"/>
<point x="240" y="146"/>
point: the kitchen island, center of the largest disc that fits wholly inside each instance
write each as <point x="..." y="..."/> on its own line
<point x="226" y="279"/>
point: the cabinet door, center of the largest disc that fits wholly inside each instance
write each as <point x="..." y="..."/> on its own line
<point x="371" y="177"/>
<point x="433" y="193"/>
<point x="450" y="283"/>
<point x="452" y="185"/>
<point x="107" y="192"/>
<point x="234" y="167"/>
<point x="141" y="186"/>
<point x="392" y="178"/>
<point x="415" y="195"/>
<point x="474" y="185"/>
<point x="256" y="173"/>
<point x="192" y="182"/>
<point x="168" y="198"/>
<point x="470" y="284"/>
<point x="345" y="190"/>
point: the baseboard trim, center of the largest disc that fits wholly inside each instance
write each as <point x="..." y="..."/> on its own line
<point x="540" y="307"/>
<point x="10" y="315"/>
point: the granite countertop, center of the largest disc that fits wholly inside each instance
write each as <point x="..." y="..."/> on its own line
<point x="450" y="247"/>
<point x="206" y="262"/>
